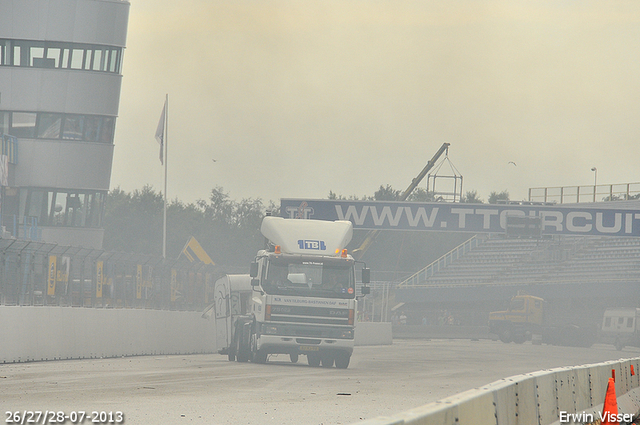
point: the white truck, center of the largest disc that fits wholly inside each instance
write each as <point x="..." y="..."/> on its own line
<point x="299" y="299"/>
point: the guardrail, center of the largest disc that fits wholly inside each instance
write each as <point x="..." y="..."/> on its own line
<point x="533" y="398"/>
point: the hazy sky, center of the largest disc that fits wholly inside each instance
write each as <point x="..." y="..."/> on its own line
<point x="297" y="98"/>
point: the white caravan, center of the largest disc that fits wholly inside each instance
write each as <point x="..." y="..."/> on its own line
<point x="620" y="327"/>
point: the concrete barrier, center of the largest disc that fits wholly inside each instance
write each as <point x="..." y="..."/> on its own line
<point x="533" y="398"/>
<point x="50" y="333"/>
<point x="442" y="332"/>
<point x="370" y="333"/>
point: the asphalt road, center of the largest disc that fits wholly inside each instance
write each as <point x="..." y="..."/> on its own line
<point x="208" y="389"/>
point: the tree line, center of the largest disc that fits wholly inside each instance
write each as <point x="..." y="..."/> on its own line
<point x="229" y="230"/>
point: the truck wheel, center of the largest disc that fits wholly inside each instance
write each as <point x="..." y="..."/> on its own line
<point x="242" y="350"/>
<point x="243" y="355"/>
<point x="259" y="357"/>
<point x="294" y="358"/>
<point x="313" y="360"/>
<point x="519" y="338"/>
<point x="505" y="336"/>
<point x="256" y="355"/>
<point x="327" y="360"/>
<point x="342" y="360"/>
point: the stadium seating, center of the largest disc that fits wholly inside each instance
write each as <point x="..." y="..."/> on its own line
<point x="498" y="260"/>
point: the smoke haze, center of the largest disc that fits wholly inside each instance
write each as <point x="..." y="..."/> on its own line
<point x="297" y="98"/>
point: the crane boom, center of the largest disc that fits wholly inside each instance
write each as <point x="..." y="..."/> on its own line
<point x="371" y="236"/>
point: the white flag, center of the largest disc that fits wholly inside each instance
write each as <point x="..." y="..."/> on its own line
<point x="160" y="132"/>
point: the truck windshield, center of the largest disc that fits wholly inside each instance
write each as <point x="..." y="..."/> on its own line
<point x="333" y="279"/>
<point x="517" y="304"/>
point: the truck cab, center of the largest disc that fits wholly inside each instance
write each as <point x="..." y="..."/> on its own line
<point x="526" y="317"/>
<point x="523" y="318"/>
<point x="304" y="295"/>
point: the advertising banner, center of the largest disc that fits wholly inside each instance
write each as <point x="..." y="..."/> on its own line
<point x="99" y="278"/>
<point x="51" y="287"/>
<point x="174" y="285"/>
<point x="474" y="218"/>
<point x="139" y="282"/>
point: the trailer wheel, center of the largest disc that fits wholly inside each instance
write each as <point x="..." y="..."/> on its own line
<point x="294" y="358"/>
<point x="342" y="360"/>
<point x="313" y="360"/>
<point x="231" y="355"/>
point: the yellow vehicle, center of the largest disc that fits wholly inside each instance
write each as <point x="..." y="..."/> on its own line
<point x="523" y="319"/>
<point x="526" y="317"/>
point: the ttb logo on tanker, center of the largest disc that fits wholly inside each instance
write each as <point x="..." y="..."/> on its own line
<point x="311" y="244"/>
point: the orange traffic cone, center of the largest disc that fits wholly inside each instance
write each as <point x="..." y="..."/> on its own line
<point x="610" y="409"/>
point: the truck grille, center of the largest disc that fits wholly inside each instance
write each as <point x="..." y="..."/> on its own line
<point x="317" y="315"/>
<point x="308" y="341"/>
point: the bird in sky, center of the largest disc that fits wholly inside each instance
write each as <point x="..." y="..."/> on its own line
<point x="511" y="162"/>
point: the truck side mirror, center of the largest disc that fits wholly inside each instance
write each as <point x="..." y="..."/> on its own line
<point x="365" y="290"/>
<point x="366" y="275"/>
<point x="253" y="270"/>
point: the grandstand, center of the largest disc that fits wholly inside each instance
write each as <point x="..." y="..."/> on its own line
<point x="588" y="272"/>
<point x="497" y="260"/>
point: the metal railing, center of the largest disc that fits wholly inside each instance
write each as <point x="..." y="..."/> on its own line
<point x="592" y="193"/>
<point x="421" y="276"/>
<point x="40" y="273"/>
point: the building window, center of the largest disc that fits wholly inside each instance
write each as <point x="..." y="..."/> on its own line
<point x="73" y="127"/>
<point x="107" y="130"/>
<point x="4" y="122"/>
<point x="90" y="128"/>
<point x="77" y="59"/>
<point x="47" y="54"/>
<point x="53" y="54"/>
<point x="16" y="58"/>
<point x="49" y="126"/>
<point x="23" y="125"/>
<point x="59" y="207"/>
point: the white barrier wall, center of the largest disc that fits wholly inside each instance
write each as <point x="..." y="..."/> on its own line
<point x="369" y="333"/>
<point x="533" y="398"/>
<point x="51" y="333"/>
<point x="48" y="333"/>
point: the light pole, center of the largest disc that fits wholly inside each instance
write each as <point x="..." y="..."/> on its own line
<point x="595" y="182"/>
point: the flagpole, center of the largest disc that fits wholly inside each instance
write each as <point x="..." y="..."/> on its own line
<point x="166" y="160"/>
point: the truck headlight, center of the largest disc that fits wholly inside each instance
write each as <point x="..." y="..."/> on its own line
<point x="270" y="330"/>
<point x="347" y="334"/>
